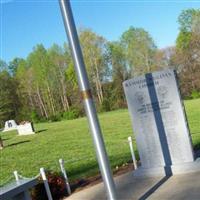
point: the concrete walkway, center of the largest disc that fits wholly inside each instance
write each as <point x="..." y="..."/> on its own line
<point x="179" y="187"/>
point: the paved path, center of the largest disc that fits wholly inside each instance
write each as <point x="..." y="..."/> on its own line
<point x="179" y="187"/>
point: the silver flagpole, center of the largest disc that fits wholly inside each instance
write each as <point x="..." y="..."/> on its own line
<point x="87" y="99"/>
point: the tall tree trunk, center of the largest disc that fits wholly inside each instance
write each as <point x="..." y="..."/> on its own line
<point x="65" y="101"/>
<point x="41" y="103"/>
<point x="37" y="104"/>
<point x="147" y="64"/>
<point x="97" y="90"/>
<point x="100" y="90"/>
<point x="30" y="99"/>
<point x="51" y="99"/>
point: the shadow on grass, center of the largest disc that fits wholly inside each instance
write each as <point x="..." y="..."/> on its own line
<point x="42" y="130"/>
<point x="4" y="139"/>
<point x="193" y="133"/>
<point x="17" y="143"/>
<point x="83" y="170"/>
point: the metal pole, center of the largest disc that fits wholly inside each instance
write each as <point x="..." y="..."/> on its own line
<point x="46" y="184"/>
<point x="87" y="99"/>
<point x="132" y="152"/>
<point x="61" y="161"/>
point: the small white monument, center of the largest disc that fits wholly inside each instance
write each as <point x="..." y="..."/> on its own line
<point x="25" y="129"/>
<point x="10" y="125"/>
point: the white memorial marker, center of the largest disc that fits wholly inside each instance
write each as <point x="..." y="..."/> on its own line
<point x="159" y="124"/>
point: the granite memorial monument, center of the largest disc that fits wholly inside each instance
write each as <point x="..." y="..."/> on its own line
<point x="160" y="124"/>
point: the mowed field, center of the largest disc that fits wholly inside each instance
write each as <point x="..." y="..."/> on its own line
<point x="71" y="140"/>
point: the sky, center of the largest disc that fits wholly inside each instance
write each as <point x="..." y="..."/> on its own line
<point x="25" y="23"/>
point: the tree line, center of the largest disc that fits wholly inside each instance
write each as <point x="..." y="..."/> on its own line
<point x="44" y="86"/>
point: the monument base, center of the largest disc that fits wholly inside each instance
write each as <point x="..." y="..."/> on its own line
<point x="25" y="129"/>
<point x="149" y="172"/>
<point x="175" y="169"/>
<point x="186" y="167"/>
<point x="10" y="129"/>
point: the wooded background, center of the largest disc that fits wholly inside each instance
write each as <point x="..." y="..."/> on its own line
<point x="43" y="87"/>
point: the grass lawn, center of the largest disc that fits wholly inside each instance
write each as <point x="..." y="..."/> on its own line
<point x="71" y="141"/>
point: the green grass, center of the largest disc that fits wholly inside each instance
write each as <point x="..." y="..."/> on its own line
<point x="71" y="141"/>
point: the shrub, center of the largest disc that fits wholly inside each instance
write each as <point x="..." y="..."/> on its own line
<point x="55" y="118"/>
<point x="73" y="113"/>
<point x="56" y="185"/>
<point x="34" y="117"/>
<point x="105" y="106"/>
<point x="195" y="94"/>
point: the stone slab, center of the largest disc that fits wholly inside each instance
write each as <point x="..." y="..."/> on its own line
<point x="178" y="187"/>
<point x="128" y="186"/>
<point x="189" y="167"/>
<point x="10" y="125"/>
<point x="25" y="129"/>
<point x="158" y="120"/>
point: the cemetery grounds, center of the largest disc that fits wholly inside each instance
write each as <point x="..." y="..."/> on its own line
<point x="71" y="141"/>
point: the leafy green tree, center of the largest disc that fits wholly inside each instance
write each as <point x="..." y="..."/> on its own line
<point x="8" y="97"/>
<point x="13" y="65"/>
<point x="3" y="66"/>
<point x="60" y="60"/>
<point x="140" y="50"/>
<point x="39" y="63"/>
<point x="95" y="55"/>
<point x="189" y="21"/>
<point x="164" y="59"/>
<point x="120" y="73"/>
<point x="44" y="86"/>
<point x="187" y="56"/>
<point x="24" y="77"/>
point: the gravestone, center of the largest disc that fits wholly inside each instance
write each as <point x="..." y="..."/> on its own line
<point x="159" y="124"/>
<point x="10" y="125"/>
<point x="25" y="129"/>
